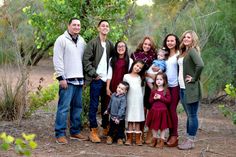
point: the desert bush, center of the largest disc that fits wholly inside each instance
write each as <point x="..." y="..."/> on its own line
<point x="14" y="73"/>
<point x="13" y="93"/>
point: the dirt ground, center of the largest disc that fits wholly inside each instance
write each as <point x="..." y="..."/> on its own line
<point x="216" y="135"/>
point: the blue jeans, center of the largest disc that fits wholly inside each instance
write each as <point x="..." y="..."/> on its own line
<point x="70" y="99"/>
<point x="191" y="110"/>
<point x="97" y="89"/>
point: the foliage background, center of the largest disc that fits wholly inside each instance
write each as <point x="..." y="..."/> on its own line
<point x="35" y="25"/>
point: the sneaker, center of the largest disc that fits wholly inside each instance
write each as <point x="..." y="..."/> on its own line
<point x="120" y="142"/>
<point x="186" y="145"/>
<point x="109" y="140"/>
<point x="78" y="137"/>
<point x="61" y="140"/>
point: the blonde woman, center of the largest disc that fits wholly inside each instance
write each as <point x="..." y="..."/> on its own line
<point x="190" y="68"/>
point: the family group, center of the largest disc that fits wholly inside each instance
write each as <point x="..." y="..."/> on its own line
<point x="137" y="92"/>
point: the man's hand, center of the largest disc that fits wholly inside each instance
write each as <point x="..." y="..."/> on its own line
<point x="63" y="84"/>
<point x="188" y="78"/>
<point x="97" y="78"/>
<point x="109" y="93"/>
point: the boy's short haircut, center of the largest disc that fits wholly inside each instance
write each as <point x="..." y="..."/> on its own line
<point x="126" y="84"/>
<point x="71" y="19"/>
<point x="102" y="21"/>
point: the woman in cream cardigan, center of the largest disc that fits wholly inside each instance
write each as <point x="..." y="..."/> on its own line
<point x="190" y="68"/>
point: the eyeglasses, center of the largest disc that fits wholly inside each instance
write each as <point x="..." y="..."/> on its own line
<point x="120" y="46"/>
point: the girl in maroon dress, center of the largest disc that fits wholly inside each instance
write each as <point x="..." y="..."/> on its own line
<point x="119" y="65"/>
<point x="158" y="117"/>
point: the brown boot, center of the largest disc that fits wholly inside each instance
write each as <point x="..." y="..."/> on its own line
<point x="105" y="131"/>
<point x="160" y="144"/>
<point x="93" y="136"/>
<point x="173" y="141"/>
<point x="128" y="141"/>
<point x="148" y="137"/>
<point x="154" y="142"/>
<point x="138" y="140"/>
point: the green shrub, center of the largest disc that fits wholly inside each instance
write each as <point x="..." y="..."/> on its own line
<point x="180" y="108"/>
<point x="22" y="146"/>
<point x="85" y="112"/>
<point x="42" y="97"/>
<point x="226" y="110"/>
<point x="45" y="95"/>
<point x="230" y="90"/>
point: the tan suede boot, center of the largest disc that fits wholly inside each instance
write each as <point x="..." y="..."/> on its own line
<point x="160" y="143"/>
<point x="154" y="142"/>
<point x="148" y="137"/>
<point x="105" y="131"/>
<point x="93" y="136"/>
<point x="138" y="138"/>
<point x="129" y="136"/>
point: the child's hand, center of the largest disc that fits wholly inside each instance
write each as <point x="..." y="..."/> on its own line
<point x="106" y="112"/>
<point x="157" y="96"/>
<point x="117" y="121"/>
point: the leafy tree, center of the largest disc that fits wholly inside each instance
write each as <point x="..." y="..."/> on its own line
<point x="13" y="98"/>
<point x="12" y="18"/>
<point x="50" y="21"/>
<point x="213" y="21"/>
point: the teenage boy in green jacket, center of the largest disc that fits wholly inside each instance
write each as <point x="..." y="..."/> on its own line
<point x="95" y="62"/>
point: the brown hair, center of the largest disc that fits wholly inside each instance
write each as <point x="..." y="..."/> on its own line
<point x="140" y="45"/>
<point x="165" y="84"/>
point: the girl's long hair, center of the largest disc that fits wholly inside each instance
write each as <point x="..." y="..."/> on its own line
<point x="195" y="43"/>
<point x="141" y="73"/>
<point x="115" y="57"/>
<point x="165" y="83"/>
<point x="176" y="46"/>
<point x="140" y="45"/>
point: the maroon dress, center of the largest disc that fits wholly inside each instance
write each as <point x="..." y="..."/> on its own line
<point x="158" y="117"/>
<point x="118" y="73"/>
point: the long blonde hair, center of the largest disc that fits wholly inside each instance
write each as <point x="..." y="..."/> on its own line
<point x="195" y="42"/>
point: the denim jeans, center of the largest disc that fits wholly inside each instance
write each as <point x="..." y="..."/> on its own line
<point x="191" y="110"/>
<point x="97" y="89"/>
<point x="70" y="99"/>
